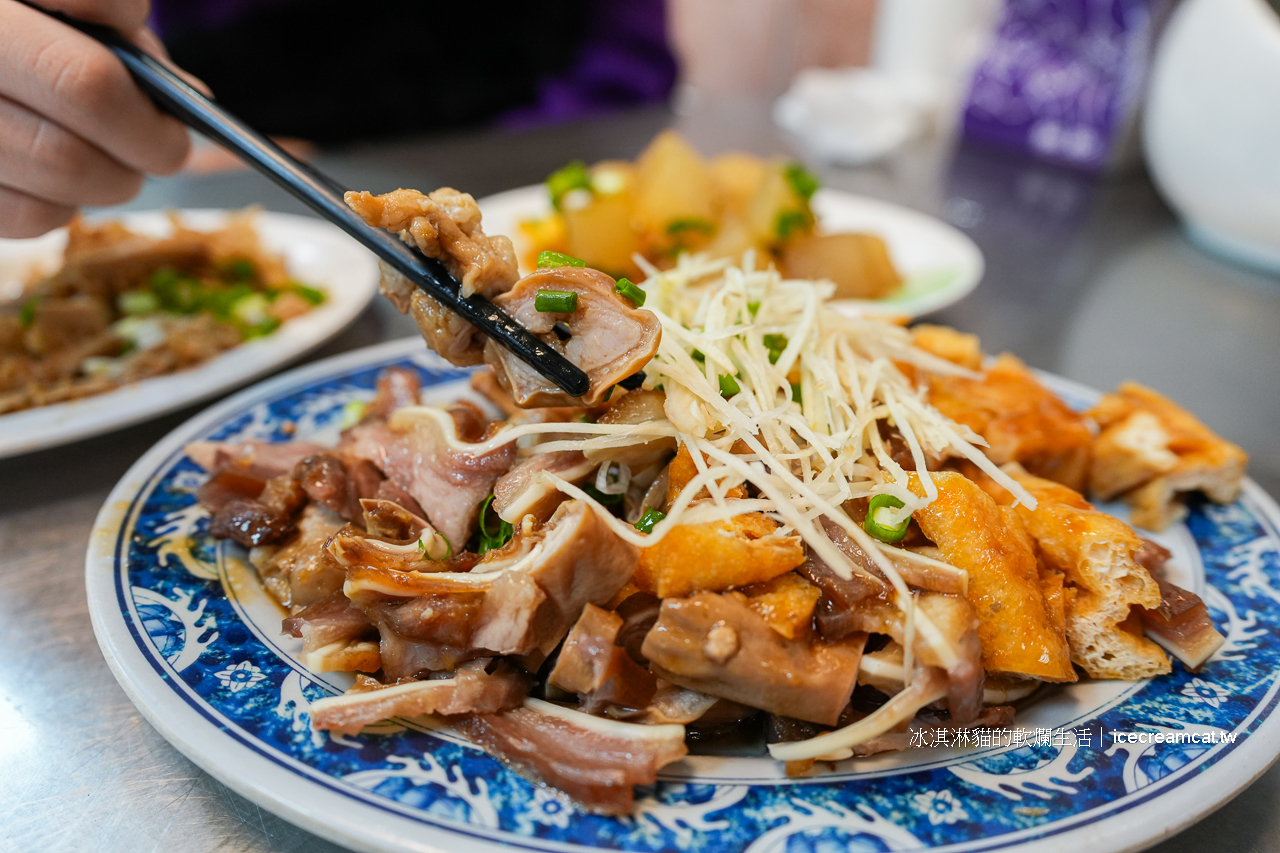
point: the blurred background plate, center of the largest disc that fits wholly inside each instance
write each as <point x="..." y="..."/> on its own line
<point x="316" y="253"/>
<point x="939" y="263"/>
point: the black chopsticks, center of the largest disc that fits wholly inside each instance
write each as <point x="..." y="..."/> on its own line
<point x="324" y="195"/>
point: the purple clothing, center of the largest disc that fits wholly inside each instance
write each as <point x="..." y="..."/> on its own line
<point x="624" y="59"/>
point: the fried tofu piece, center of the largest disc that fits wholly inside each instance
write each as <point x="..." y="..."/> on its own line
<point x="945" y="342"/>
<point x="683" y="469"/>
<point x="1097" y="554"/>
<point x="1016" y="627"/>
<point x="717" y="556"/>
<point x="1021" y="420"/>
<point x="786" y="603"/>
<point x="1151" y="450"/>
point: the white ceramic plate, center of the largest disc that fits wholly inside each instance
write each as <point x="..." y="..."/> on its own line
<point x="940" y="264"/>
<point x="195" y="640"/>
<point x="316" y="253"/>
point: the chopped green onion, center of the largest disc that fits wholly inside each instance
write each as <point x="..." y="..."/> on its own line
<point x="430" y="552"/>
<point x="565" y="180"/>
<point x="220" y="301"/>
<point x="697" y="355"/>
<point x="600" y="497"/>
<point x="690" y="223"/>
<point x="753" y="308"/>
<point x="650" y="518"/>
<point x="609" y="393"/>
<point x="238" y="269"/>
<point x="311" y="294"/>
<point x="27" y="314"/>
<point x="260" y="330"/>
<point x="728" y="385"/>
<point x="352" y="414"/>
<point x="624" y="287"/>
<point x="556" y="301"/>
<point x="775" y="344"/>
<point x="138" y="302"/>
<point x="177" y="293"/>
<point x="491" y="539"/>
<point x="803" y="182"/>
<point x="795" y="393"/>
<point x="558" y="259"/>
<point x="790" y="221"/>
<point x="881" y="507"/>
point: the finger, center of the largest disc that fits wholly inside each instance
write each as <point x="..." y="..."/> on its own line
<point x="41" y="158"/>
<point x="22" y="215"/>
<point x="124" y="15"/>
<point x="64" y="75"/>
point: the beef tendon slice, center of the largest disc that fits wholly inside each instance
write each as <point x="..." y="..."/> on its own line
<point x="719" y="645"/>
<point x="1021" y="420"/>
<point x="1151" y="450"/>
<point x="1097" y="554"/>
<point x="1016" y="630"/>
<point x="607" y="336"/>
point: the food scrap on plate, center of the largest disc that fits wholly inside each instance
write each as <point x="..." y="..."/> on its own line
<point x="764" y="513"/>
<point x="125" y="307"/>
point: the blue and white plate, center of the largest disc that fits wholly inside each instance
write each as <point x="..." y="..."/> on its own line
<point x="195" y="641"/>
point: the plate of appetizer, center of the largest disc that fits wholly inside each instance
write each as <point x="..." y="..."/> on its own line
<point x="883" y="258"/>
<point x="112" y="321"/>
<point x="783" y="579"/>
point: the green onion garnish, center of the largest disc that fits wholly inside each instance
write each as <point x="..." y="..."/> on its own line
<point x="434" y="549"/>
<point x="728" y="385"/>
<point x="311" y="294"/>
<point x="238" y="269"/>
<point x="697" y="355"/>
<point x="566" y="179"/>
<point x="556" y="301"/>
<point x="138" y="302"/>
<point x="795" y="393"/>
<point x="753" y="308"/>
<point x="600" y="497"/>
<point x="558" y="259"/>
<point x="790" y="221"/>
<point x="775" y="344"/>
<point x="690" y="223"/>
<point x="881" y="507"/>
<point x="492" y="537"/>
<point x="27" y="314"/>
<point x="649" y="519"/>
<point x="352" y="414"/>
<point x="803" y="182"/>
<point x="624" y="287"/>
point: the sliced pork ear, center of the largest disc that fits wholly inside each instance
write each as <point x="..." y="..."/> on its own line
<point x="594" y="666"/>
<point x="717" y="644"/>
<point x="609" y="338"/>
<point x="470" y="691"/>
<point x="260" y="459"/>
<point x="595" y="761"/>
<point x="520" y="492"/>
<point x="300" y="572"/>
<point x="415" y="449"/>
<point x="336" y="484"/>
<point x="267" y="519"/>
<point x="533" y="590"/>
<point x="336" y="636"/>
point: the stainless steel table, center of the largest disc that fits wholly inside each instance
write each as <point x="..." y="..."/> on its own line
<point x="1091" y="280"/>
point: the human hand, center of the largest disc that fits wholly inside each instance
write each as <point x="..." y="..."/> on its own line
<point x="74" y="128"/>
